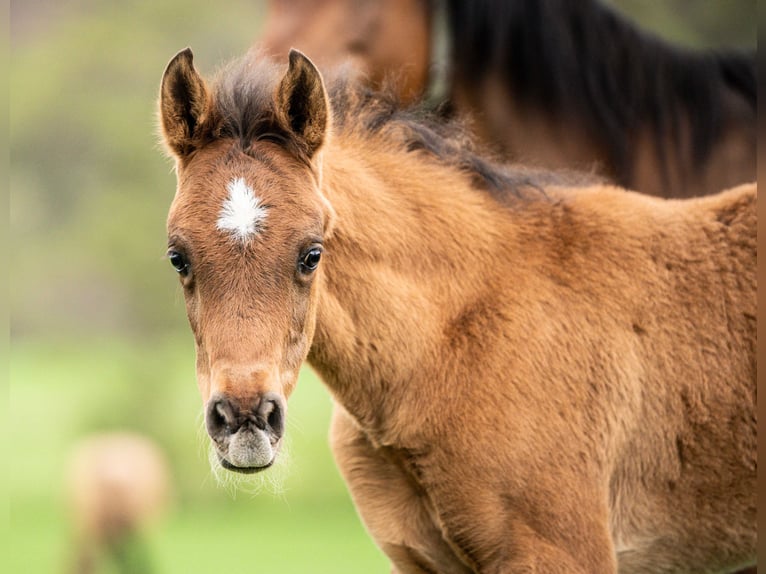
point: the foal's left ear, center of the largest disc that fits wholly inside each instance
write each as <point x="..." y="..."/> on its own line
<point x="302" y="104"/>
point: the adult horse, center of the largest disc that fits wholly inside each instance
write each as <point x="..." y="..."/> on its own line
<point x="528" y="377"/>
<point x="555" y="83"/>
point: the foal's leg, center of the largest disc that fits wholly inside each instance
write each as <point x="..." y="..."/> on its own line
<point x="546" y="522"/>
<point x="394" y="510"/>
<point x="524" y="549"/>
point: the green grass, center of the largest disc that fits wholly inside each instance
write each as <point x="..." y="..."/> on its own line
<point x="62" y="392"/>
<point x="243" y="536"/>
<point x="310" y="537"/>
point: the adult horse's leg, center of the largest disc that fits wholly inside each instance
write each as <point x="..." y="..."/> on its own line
<point x="395" y="511"/>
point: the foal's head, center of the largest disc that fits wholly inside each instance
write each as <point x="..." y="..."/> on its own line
<point x="245" y="234"/>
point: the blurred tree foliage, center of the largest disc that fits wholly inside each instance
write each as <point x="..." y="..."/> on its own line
<point x="89" y="186"/>
<point x="696" y="23"/>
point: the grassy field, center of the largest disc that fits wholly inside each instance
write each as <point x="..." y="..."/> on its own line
<point x="62" y="392"/>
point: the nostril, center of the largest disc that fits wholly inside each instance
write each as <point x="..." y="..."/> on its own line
<point x="272" y="411"/>
<point x="275" y="419"/>
<point x="220" y="417"/>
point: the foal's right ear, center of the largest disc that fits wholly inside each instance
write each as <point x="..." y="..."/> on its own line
<point x="184" y="104"/>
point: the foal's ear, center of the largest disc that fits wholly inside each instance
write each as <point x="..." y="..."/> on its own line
<point x="302" y="104"/>
<point x="184" y="104"/>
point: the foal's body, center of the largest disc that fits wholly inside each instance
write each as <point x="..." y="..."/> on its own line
<point x="571" y="382"/>
<point x="526" y="381"/>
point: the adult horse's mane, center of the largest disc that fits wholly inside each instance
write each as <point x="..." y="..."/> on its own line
<point x="243" y="93"/>
<point x="583" y="58"/>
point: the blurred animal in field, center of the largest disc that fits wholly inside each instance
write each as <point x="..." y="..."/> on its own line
<point x="550" y="83"/>
<point x="118" y="486"/>
<point x="532" y="372"/>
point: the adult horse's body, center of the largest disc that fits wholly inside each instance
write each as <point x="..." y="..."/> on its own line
<point x="529" y="378"/>
<point x="556" y="83"/>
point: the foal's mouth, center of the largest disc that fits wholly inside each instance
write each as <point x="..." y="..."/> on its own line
<point x="243" y="469"/>
<point x="248" y="451"/>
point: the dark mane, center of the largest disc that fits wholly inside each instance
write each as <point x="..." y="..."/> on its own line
<point x="583" y="58"/>
<point x="244" y="90"/>
<point x="420" y="129"/>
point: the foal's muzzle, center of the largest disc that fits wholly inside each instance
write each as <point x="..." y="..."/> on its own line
<point x="246" y="433"/>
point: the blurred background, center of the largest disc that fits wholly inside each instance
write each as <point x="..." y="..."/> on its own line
<point x="99" y="339"/>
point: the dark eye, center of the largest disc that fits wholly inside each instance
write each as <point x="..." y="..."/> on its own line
<point x="179" y="262"/>
<point x="310" y="260"/>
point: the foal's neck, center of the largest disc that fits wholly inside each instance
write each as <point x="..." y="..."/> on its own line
<point x="413" y="245"/>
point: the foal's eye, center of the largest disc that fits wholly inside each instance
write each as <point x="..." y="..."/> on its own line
<point x="179" y="263"/>
<point x="310" y="260"/>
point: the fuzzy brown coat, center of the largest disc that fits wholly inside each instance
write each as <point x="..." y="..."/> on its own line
<point x="557" y="381"/>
